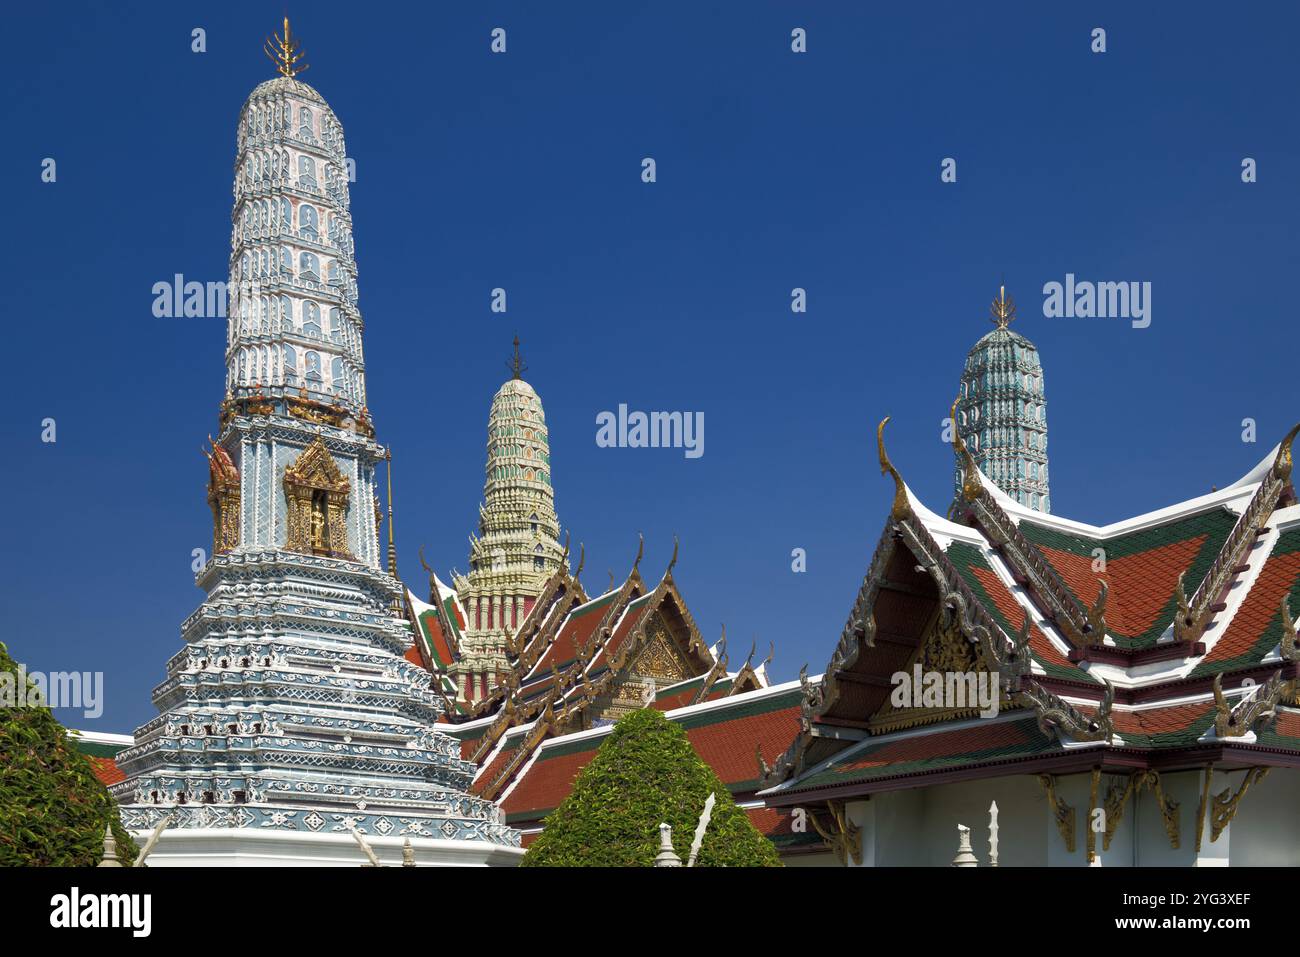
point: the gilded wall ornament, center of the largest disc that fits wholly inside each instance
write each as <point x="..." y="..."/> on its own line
<point x="223" y="497"/>
<point x="1062" y="813"/>
<point x="317" y="494"/>
<point x="1225" y="803"/>
<point x="843" y="836"/>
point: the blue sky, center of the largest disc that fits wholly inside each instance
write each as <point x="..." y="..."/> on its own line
<point x="522" y="170"/>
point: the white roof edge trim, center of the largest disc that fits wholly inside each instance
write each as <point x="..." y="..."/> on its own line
<point x="1003" y="717"/>
<point x="690" y="709"/>
<point x="941" y="527"/>
<point x="418" y="606"/>
<point x="1287" y="517"/>
<point x="102" y="737"/>
<point x="1256" y="475"/>
<point x="718" y="704"/>
<point x="1242" y="489"/>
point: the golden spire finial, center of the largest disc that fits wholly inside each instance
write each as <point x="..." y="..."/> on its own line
<point x="1003" y="308"/>
<point x="517" y="364"/>
<point x="285" y="52"/>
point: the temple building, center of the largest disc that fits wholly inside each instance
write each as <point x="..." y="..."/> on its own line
<point x="1001" y="411"/>
<point x="292" y="724"/>
<point x="578" y="662"/>
<point x="1145" y="676"/>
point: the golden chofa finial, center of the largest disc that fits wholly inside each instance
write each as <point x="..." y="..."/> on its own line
<point x="902" y="508"/>
<point x="1282" y="464"/>
<point x="285" y="52"/>
<point x="1003" y="308"/>
<point x="970" y="479"/>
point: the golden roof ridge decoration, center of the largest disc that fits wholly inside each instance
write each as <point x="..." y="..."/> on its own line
<point x="902" y="508"/>
<point x="1288" y="649"/>
<point x="1274" y="485"/>
<point x="1096" y="627"/>
<point x="1255" y="707"/>
<point x="1282" y="464"/>
<point x="970" y="476"/>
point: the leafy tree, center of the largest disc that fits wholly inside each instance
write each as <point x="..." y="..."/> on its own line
<point x="53" y="809"/>
<point x="646" y="772"/>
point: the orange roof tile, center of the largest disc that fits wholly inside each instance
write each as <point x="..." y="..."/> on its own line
<point x="1039" y="644"/>
<point x="1250" y="628"/>
<point x="106" y="770"/>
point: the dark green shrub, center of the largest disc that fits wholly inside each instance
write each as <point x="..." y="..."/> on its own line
<point x="53" y="809"/>
<point x="646" y="772"/>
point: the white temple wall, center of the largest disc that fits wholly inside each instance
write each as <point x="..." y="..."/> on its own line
<point x="1022" y="807"/>
<point x="918" y="828"/>
<point x="1266" y="830"/>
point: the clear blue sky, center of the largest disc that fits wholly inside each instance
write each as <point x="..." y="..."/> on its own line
<point x="775" y="170"/>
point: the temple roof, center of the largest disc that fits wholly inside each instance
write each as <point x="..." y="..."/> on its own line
<point x="578" y="662"/>
<point x="101" y="750"/>
<point x="730" y="733"/>
<point x="1185" y="650"/>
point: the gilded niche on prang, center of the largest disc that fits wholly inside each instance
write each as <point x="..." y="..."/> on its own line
<point x="317" y="494"/>
<point x="223" y="497"/>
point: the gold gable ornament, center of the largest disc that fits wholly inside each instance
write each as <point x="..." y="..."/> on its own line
<point x="660" y="659"/>
<point x="223" y="497"/>
<point x="945" y="651"/>
<point x="317" y="494"/>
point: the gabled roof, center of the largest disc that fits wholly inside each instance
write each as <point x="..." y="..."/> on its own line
<point x="575" y="652"/>
<point x="732" y="735"/>
<point x="1193" y="607"/>
<point x="1255" y="630"/>
<point x="436" y="642"/>
<point x="101" y="750"/>
<point x="1141" y="568"/>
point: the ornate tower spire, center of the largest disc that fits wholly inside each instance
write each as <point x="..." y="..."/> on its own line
<point x="285" y="710"/>
<point x="517" y="547"/>
<point x="1002" y="410"/>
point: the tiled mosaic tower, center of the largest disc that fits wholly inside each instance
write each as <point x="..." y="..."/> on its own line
<point x="517" y="547"/>
<point x="1002" y="411"/>
<point x="291" y="706"/>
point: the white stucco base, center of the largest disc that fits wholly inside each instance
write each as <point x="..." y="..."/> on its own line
<point x="249" y="847"/>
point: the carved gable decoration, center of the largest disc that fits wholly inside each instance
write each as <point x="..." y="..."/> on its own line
<point x="317" y="493"/>
<point x="949" y="654"/>
<point x="316" y="468"/>
<point x="661" y="659"/>
<point x="655" y="661"/>
<point x="223" y="497"/>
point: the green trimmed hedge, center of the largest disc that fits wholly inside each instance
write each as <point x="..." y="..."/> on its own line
<point x="53" y="809"/>
<point x="646" y="772"/>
